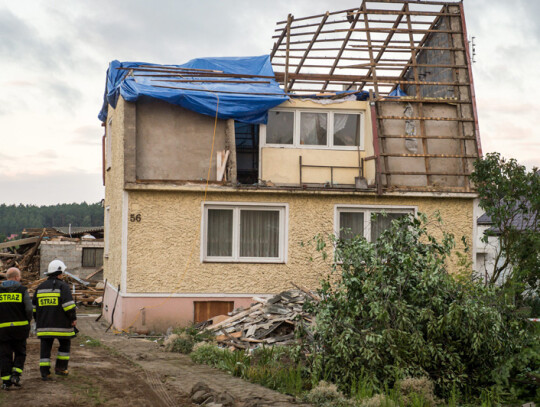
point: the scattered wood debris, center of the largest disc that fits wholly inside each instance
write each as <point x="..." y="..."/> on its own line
<point x="269" y="321"/>
<point x="24" y="254"/>
<point x="82" y="294"/>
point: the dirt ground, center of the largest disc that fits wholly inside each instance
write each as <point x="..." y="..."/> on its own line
<point x="98" y="377"/>
<point x="113" y="370"/>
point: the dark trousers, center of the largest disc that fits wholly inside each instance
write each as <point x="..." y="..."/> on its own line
<point x="62" y="358"/>
<point x="12" y="357"/>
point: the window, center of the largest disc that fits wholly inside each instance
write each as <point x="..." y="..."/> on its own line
<point x="369" y="222"/>
<point x="92" y="257"/>
<point x="244" y="233"/>
<point x="280" y="127"/>
<point x="314" y="129"/>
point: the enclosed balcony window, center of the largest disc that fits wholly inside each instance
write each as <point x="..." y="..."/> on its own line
<point x="322" y="129"/>
<point x="280" y="127"/>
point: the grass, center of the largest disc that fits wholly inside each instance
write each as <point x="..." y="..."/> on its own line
<point x="268" y="366"/>
<point x="85" y="391"/>
<point x="89" y="341"/>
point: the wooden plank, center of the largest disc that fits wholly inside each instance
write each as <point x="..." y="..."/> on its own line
<point x="94" y="273"/>
<point x="342" y="49"/>
<point x="429" y="155"/>
<point x="235" y="317"/>
<point x="448" y="119"/>
<point x="374" y="62"/>
<point x="300" y="64"/>
<point x="20" y="242"/>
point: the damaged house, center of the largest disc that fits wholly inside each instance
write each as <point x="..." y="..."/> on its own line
<point x="218" y="169"/>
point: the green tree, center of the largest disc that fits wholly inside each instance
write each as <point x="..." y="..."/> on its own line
<point x="391" y="310"/>
<point x="510" y="195"/>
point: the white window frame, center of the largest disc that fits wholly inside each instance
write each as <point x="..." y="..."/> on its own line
<point x="329" y="130"/>
<point x="108" y="145"/>
<point x="368" y="210"/>
<point x="236" y="207"/>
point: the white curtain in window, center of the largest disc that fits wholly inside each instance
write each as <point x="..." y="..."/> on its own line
<point x="313" y="128"/>
<point x="340" y="121"/>
<point x="380" y="222"/>
<point x="259" y="233"/>
<point x="220" y="232"/>
<point x="351" y="224"/>
<point x="346" y="129"/>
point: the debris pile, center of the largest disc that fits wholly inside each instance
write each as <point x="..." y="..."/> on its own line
<point x="269" y="321"/>
<point x="23" y="254"/>
<point x="84" y="292"/>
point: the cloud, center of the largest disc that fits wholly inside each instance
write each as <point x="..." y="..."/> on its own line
<point x="87" y="135"/>
<point x="52" y="188"/>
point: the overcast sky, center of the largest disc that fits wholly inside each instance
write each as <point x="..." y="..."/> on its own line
<point x="54" y="56"/>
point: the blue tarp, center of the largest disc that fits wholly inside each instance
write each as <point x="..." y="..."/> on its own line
<point x="242" y="105"/>
<point x="397" y="92"/>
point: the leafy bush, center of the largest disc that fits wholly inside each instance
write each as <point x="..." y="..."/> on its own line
<point x="183" y="343"/>
<point x="391" y="309"/>
<point x="183" y="340"/>
<point x="207" y="354"/>
<point x="417" y="391"/>
<point x="327" y="395"/>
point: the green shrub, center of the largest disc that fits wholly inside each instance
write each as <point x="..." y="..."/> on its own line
<point x="207" y="354"/>
<point x="379" y="400"/>
<point x="182" y="344"/>
<point x="183" y="340"/>
<point x="391" y="308"/>
<point x="327" y="395"/>
<point x="417" y="392"/>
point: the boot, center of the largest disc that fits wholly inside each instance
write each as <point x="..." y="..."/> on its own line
<point x="16" y="379"/>
<point x="61" y="372"/>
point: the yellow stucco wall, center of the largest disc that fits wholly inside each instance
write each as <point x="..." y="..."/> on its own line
<point x="281" y="165"/>
<point x="164" y="247"/>
<point x="114" y="184"/>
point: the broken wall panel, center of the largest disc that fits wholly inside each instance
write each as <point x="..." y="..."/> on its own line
<point x="173" y="143"/>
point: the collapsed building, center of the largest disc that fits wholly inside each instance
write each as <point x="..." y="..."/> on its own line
<point x="217" y="170"/>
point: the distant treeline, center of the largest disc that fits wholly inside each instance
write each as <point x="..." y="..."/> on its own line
<point x="14" y="218"/>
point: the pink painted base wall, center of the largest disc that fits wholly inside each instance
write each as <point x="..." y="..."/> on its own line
<point x="157" y="314"/>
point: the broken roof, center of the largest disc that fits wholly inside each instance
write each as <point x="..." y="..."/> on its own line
<point x="381" y="44"/>
<point x="240" y="88"/>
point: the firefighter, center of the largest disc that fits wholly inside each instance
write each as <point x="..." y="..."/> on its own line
<point x="15" y="317"/>
<point x="56" y="317"/>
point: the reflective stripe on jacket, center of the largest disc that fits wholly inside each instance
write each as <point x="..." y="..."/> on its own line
<point x="14" y="323"/>
<point x="54" y="309"/>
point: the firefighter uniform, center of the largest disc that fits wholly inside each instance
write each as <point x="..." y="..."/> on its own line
<point x="15" y="316"/>
<point x="54" y="313"/>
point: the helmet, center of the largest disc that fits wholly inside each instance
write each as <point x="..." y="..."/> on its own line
<point x="55" y="267"/>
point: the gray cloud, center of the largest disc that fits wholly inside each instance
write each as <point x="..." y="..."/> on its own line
<point x="21" y="42"/>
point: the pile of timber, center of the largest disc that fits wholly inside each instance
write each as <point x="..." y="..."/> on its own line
<point x="270" y="321"/>
<point x="83" y="292"/>
<point x="23" y="254"/>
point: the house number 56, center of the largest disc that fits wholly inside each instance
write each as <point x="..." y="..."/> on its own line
<point x="135" y="218"/>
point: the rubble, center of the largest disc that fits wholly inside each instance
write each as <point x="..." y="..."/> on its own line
<point x="25" y="255"/>
<point x="270" y="321"/>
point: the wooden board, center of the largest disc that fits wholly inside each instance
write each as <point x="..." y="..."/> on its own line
<point x="205" y="310"/>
